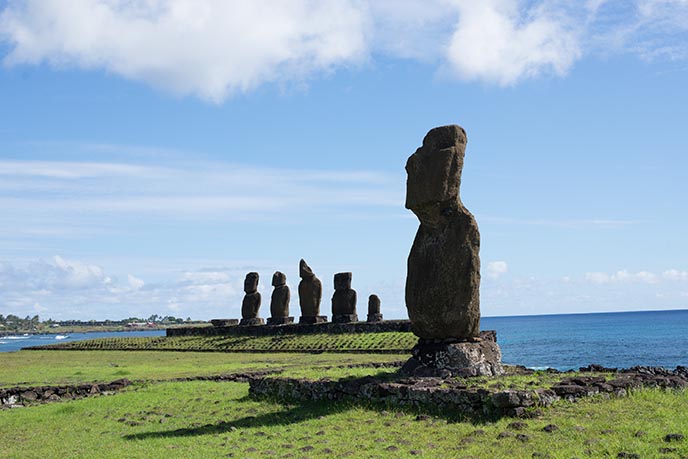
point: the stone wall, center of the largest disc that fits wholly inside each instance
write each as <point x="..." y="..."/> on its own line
<point x="19" y="396"/>
<point x="294" y="329"/>
<point x="449" y="396"/>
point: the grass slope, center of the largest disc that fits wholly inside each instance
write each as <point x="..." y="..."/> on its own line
<point x="386" y="342"/>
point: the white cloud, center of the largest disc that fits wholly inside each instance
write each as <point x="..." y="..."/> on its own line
<point x="496" y="268"/>
<point x="675" y="275"/>
<point x="622" y="276"/>
<point x="134" y="282"/>
<point x="64" y="289"/>
<point x="211" y="48"/>
<point x="217" y="48"/>
<point x="499" y="41"/>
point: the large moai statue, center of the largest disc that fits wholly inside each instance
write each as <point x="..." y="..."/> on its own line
<point x="251" y="303"/>
<point x="343" y="300"/>
<point x="374" y="314"/>
<point x="310" y="295"/>
<point x="279" y="302"/>
<point x="443" y="280"/>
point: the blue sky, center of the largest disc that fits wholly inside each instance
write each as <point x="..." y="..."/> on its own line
<point x="153" y="152"/>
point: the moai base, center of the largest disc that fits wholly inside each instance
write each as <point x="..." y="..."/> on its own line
<point x="481" y="357"/>
<point x="344" y="318"/>
<point x="280" y="320"/>
<point x="252" y="321"/>
<point x="224" y="322"/>
<point x="309" y="320"/>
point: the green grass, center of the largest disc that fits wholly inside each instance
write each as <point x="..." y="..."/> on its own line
<point x="68" y="367"/>
<point x="207" y="420"/>
<point x="203" y="419"/>
<point x="385" y="342"/>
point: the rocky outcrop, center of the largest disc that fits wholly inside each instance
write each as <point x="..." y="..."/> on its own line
<point x="443" y="280"/>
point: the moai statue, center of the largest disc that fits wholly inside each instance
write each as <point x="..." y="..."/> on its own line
<point x="251" y="303"/>
<point x="374" y="309"/>
<point x="343" y="300"/>
<point x="279" y="302"/>
<point x="443" y="280"/>
<point x="310" y="294"/>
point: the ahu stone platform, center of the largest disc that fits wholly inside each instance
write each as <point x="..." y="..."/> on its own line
<point x="294" y="329"/>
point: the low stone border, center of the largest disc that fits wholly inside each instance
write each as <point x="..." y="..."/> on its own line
<point x="449" y="396"/>
<point x="294" y="329"/>
<point x="14" y="397"/>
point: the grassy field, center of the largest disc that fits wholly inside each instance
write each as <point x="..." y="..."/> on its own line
<point x="387" y="342"/>
<point x="202" y="419"/>
<point x="67" y="367"/>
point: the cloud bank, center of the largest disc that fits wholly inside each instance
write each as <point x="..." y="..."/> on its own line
<point x="215" y="49"/>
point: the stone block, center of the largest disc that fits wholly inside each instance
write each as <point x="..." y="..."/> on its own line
<point x="252" y="321"/>
<point x="375" y="317"/>
<point x="344" y="318"/>
<point x="312" y="319"/>
<point x="280" y="320"/>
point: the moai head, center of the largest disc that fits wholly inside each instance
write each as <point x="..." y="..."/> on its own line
<point x="305" y="271"/>
<point x="342" y="281"/>
<point x="251" y="283"/>
<point x="373" y="304"/>
<point x="434" y="175"/>
<point x="278" y="279"/>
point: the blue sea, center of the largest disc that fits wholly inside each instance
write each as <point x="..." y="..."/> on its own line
<point x="16" y="342"/>
<point x="620" y="339"/>
<point x="565" y="341"/>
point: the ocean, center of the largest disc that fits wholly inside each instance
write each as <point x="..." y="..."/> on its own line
<point x="564" y="341"/>
<point x="619" y="339"/>
<point x="16" y="342"/>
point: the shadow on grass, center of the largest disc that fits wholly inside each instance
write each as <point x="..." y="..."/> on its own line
<point x="304" y="412"/>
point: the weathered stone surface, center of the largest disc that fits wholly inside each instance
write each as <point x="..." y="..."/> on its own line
<point x="479" y="358"/>
<point x="279" y="302"/>
<point x="344" y="318"/>
<point x="443" y="281"/>
<point x="224" y="322"/>
<point x="343" y="300"/>
<point x="280" y="320"/>
<point x="251" y="321"/>
<point x="310" y="320"/>
<point x="374" y="309"/>
<point x="310" y="294"/>
<point x="251" y="303"/>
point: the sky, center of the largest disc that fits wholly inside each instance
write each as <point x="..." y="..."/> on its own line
<point x="152" y="152"/>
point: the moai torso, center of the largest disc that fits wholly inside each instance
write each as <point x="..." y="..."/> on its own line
<point x="279" y="302"/>
<point x="373" y="305"/>
<point x="251" y="303"/>
<point x="344" y="298"/>
<point x="310" y="291"/>
<point x="443" y="280"/>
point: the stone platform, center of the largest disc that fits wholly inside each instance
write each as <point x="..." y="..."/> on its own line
<point x="446" y="359"/>
<point x="294" y="329"/>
